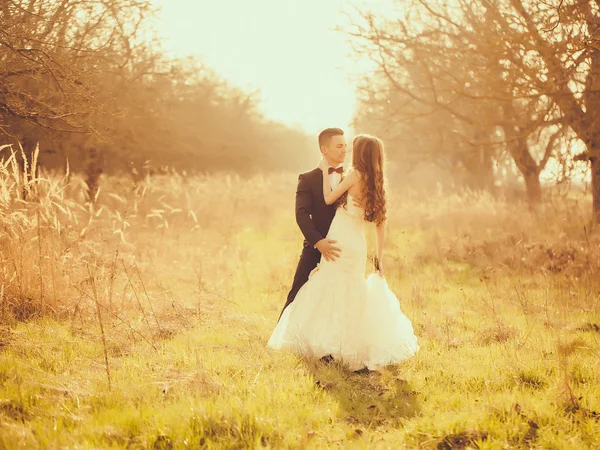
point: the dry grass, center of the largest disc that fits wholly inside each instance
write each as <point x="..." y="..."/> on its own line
<point x="169" y="287"/>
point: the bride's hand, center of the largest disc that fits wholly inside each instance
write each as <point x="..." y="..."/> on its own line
<point x="324" y="165"/>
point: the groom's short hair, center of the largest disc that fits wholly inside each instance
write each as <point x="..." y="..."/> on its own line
<point x="326" y="135"/>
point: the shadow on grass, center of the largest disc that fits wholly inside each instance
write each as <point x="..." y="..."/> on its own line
<point x="373" y="399"/>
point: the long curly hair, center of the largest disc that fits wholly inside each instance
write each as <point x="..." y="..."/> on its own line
<point x="368" y="159"/>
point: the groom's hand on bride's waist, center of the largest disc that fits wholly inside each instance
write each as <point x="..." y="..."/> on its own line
<point x="327" y="248"/>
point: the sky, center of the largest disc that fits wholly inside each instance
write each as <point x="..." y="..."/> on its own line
<point x="287" y="49"/>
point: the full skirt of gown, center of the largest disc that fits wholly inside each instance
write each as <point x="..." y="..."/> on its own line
<point x="338" y="312"/>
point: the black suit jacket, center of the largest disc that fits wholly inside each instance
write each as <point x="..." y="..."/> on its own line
<point x="313" y="215"/>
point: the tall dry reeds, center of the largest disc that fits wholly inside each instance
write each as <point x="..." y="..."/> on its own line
<point x="140" y="235"/>
<point x="51" y="239"/>
<point x="37" y="222"/>
<point x="64" y="254"/>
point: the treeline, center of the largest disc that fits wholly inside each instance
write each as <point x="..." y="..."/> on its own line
<point x="90" y="82"/>
<point x="482" y="88"/>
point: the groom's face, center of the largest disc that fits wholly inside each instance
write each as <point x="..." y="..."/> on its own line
<point x="335" y="150"/>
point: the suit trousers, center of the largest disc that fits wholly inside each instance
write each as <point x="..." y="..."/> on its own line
<point x="309" y="259"/>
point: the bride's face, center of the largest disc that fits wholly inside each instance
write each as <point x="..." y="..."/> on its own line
<point x="335" y="151"/>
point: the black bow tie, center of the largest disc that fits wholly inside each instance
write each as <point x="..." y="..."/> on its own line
<point x="339" y="170"/>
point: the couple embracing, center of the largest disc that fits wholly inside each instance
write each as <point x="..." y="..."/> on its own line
<point x="332" y="312"/>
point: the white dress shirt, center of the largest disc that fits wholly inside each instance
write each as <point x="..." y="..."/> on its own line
<point x="334" y="179"/>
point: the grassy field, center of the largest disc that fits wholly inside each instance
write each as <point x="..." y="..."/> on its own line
<point x="141" y="322"/>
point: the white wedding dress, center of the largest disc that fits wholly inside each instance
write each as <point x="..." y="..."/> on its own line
<point x="340" y="313"/>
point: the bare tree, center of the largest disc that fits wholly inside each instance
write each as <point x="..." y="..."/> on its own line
<point x="54" y="55"/>
<point x="90" y="80"/>
<point x="564" y="41"/>
<point x="477" y="70"/>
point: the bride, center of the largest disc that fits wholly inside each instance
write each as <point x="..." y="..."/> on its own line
<point x="338" y="313"/>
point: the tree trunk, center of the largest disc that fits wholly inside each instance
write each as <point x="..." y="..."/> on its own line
<point x="595" y="165"/>
<point x="93" y="172"/>
<point x="592" y="104"/>
<point x="519" y="150"/>
<point x="533" y="187"/>
<point x="480" y="170"/>
<point x="479" y="164"/>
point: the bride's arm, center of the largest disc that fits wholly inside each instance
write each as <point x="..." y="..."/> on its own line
<point x="380" y="243"/>
<point x="331" y="196"/>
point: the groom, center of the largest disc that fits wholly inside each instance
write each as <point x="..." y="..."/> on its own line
<point x="313" y="215"/>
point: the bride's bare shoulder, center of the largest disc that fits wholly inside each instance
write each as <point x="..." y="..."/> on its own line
<point x="352" y="172"/>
